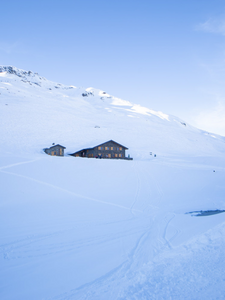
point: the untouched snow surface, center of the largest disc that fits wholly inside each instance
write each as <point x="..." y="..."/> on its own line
<point x="77" y="228"/>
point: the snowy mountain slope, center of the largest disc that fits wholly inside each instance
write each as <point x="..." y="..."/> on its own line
<point x="61" y="114"/>
<point x="75" y="228"/>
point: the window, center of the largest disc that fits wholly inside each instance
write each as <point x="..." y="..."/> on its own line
<point x="120" y="155"/>
<point x="99" y="148"/>
<point x="117" y="148"/>
<point x="120" y="148"/>
<point x="109" y="155"/>
<point x="116" y="155"/>
<point x="106" y="148"/>
<point x="112" y="148"/>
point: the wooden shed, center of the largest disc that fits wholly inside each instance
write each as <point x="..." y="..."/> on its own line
<point x="55" y="150"/>
<point x="109" y="150"/>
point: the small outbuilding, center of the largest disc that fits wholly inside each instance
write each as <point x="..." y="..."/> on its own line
<point x="110" y="150"/>
<point x="55" y="150"/>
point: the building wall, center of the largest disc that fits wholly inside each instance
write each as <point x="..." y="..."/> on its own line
<point x="55" y="151"/>
<point x="108" y="150"/>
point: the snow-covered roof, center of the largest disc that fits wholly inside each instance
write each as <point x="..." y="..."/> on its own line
<point x="57" y="146"/>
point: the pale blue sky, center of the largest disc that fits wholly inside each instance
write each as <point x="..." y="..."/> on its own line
<point x="168" y="55"/>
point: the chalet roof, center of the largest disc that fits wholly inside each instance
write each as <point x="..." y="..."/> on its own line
<point x="113" y="142"/>
<point x="56" y="146"/>
<point x="100" y="145"/>
<point x="83" y="150"/>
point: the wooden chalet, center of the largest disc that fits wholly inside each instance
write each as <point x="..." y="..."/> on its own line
<point x="55" y="150"/>
<point x="109" y="150"/>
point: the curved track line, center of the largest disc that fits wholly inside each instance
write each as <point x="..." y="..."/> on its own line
<point x="69" y="192"/>
<point x="92" y="289"/>
<point x="177" y="231"/>
<point x="137" y="190"/>
<point x="17" y="164"/>
<point x="165" y="230"/>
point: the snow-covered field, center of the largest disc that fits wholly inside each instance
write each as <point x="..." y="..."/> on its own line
<point x="78" y="228"/>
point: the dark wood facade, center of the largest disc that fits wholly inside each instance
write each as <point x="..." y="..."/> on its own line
<point x="109" y="150"/>
<point x="55" y="150"/>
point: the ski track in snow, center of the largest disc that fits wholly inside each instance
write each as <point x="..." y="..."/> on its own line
<point x="112" y="284"/>
<point x="109" y="281"/>
<point x="141" y="262"/>
<point x="11" y="250"/>
<point x="157" y="184"/>
<point x="28" y="247"/>
<point x="168" y="218"/>
<point x="18" y="164"/>
<point x="122" y="270"/>
<point x="101" y="286"/>
<point x="67" y="191"/>
<point x="115" y="280"/>
<point x="137" y="189"/>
